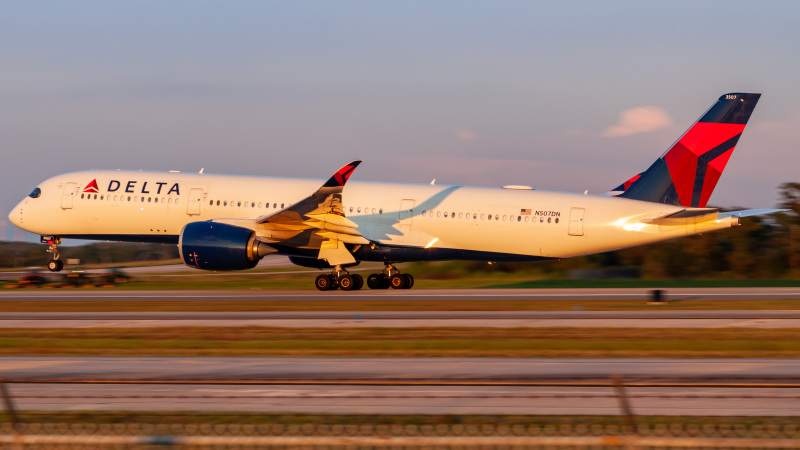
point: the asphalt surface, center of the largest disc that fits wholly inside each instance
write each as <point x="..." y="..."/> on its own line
<point x="674" y="294"/>
<point x="397" y="319"/>
<point x="410" y="386"/>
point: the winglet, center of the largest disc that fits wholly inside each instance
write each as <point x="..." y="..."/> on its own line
<point x="340" y="178"/>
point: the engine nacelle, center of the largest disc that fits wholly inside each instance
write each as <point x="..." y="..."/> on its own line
<point x="218" y="246"/>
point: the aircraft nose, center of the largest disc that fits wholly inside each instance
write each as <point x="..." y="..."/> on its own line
<point x="15" y="216"/>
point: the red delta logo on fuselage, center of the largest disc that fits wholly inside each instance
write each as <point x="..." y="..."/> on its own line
<point x="92" y="187"/>
<point x="137" y="187"/>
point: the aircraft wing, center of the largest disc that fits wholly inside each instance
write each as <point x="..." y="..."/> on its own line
<point x="321" y="214"/>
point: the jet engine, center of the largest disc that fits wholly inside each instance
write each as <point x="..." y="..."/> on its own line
<point x="218" y="246"/>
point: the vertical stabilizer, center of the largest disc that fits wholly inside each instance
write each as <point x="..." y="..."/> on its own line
<point x="688" y="172"/>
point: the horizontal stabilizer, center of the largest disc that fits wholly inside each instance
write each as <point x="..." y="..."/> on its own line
<point x="751" y="212"/>
<point x="685" y="217"/>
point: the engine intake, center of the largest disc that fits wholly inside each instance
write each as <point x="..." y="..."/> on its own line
<point x="218" y="246"/>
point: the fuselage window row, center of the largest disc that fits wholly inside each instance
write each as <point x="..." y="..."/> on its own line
<point x="496" y="217"/>
<point x="122" y="198"/>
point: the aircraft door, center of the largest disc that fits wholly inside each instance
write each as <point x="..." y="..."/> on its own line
<point x="576" y="221"/>
<point x="68" y="195"/>
<point x="195" y="198"/>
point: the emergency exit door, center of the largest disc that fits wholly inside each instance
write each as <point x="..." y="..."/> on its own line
<point x="195" y="198"/>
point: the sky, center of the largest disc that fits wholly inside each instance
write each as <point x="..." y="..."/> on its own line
<point x="568" y="95"/>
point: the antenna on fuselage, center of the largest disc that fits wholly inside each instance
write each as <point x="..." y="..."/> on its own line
<point x="201" y="170"/>
<point x="433" y="182"/>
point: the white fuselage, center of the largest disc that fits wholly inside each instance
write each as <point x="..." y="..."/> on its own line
<point x="155" y="206"/>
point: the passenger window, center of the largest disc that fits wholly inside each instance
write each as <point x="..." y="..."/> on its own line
<point x="225" y="203"/>
<point x="453" y="214"/>
<point x="274" y="205"/>
<point x="423" y="213"/>
<point x="445" y="214"/>
<point x="475" y="216"/>
<point x="281" y="205"/>
<point x="483" y="216"/>
<point x="556" y="219"/>
<point x="82" y="195"/>
<point x="438" y="214"/>
<point x="519" y="218"/>
<point x="259" y="204"/>
<point x="155" y="199"/>
<point x="358" y="210"/>
<point x="149" y="199"/>
<point x="380" y="211"/>
<point x="211" y="203"/>
<point x="351" y="209"/>
<point x="548" y="219"/>
<point x="239" y="204"/>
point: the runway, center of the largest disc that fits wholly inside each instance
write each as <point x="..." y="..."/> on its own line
<point x="672" y="294"/>
<point x="410" y="386"/>
<point x="405" y="319"/>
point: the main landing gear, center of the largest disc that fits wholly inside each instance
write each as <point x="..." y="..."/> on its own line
<point x="390" y="277"/>
<point x="55" y="264"/>
<point x="340" y="279"/>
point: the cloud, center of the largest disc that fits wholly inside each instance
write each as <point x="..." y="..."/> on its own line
<point x="639" y="120"/>
<point x="465" y="135"/>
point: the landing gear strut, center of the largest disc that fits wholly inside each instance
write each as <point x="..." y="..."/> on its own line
<point x="390" y="277"/>
<point x="339" y="278"/>
<point x="55" y="264"/>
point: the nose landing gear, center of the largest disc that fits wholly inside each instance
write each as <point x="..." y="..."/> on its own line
<point x="390" y="277"/>
<point x="339" y="278"/>
<point x="55" y="264"/>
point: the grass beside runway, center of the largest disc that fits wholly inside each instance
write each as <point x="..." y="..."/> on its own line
<point x="404" y="342"/>
<point x="332" y="302"/>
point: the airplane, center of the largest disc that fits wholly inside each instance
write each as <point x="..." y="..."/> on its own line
<point x="229" y="222"/>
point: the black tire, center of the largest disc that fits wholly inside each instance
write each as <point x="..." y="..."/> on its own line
<point x="324" y="282"/>
<point x="374" y="281"/>
<point x="409" y="281"/>
<point x="346" y="283"/>
<point x="55" y="265"/>
<point x="398" y="281"/>
<point x="359" y="282"/>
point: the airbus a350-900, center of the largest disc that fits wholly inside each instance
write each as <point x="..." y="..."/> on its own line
<point x="228" y="222"/>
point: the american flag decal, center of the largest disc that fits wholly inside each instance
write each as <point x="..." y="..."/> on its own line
<point x="525" y="212"/>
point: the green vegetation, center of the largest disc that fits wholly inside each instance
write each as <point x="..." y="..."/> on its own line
<point x="405" y="342"/>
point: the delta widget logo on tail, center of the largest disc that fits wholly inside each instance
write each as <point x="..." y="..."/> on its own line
<point x="92" y="187"/>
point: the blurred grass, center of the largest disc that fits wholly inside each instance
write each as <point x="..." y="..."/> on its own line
<point x="404" y="342"/>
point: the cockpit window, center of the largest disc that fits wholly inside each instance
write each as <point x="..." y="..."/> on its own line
<point x="36" y="193"/>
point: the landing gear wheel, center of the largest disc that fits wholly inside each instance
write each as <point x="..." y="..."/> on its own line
<point x="55" y="265"/>
<point x="358" y="280"/>
<point x="374" y="281"/>
<point x="398" y="281"/>
<point x="346" y="283"/>
<point x="324" y="282"/>
<point x="409" y="281"/>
